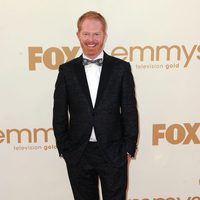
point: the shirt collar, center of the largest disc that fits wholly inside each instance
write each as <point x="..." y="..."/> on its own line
<point x="101" y="55"/>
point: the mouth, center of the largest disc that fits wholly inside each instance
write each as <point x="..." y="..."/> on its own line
<point x="91" y="45"/>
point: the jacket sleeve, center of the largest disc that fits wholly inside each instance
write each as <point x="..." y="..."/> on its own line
<point x="129" y="112"/>
<point x="60" y="111"/>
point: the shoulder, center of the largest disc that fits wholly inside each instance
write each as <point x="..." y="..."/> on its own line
<point x="70" y="64"/>
<point x="117" y="62"/>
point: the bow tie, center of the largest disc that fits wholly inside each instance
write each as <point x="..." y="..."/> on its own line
<point x="98" y="62"/>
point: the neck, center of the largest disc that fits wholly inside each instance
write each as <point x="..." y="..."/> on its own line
<point x="100" y="55"/>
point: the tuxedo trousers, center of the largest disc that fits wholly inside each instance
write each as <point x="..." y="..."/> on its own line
<point x="94" y="167"/>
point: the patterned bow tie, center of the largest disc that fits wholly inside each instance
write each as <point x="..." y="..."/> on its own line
<point x="98" y="62"/>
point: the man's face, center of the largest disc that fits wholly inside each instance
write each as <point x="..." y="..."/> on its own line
<point x="92" y="37"/>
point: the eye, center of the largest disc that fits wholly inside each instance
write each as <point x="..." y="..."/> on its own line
<point x="85" y="34"/>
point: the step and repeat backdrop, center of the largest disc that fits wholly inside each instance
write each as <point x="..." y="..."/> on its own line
<point x="160" y="38"/>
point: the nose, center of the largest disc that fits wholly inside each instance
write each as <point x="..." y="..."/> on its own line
<point x="91" y="38"/>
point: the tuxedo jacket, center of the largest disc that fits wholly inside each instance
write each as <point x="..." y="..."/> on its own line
<point x="114" y="115"/>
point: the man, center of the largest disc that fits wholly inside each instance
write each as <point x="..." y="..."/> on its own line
<point x="95" y="117"/>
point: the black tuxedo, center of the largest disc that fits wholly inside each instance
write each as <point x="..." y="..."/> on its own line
<point x="114" y="116"/>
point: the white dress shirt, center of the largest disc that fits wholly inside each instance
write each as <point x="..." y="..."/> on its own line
<point x="93" y="72"/>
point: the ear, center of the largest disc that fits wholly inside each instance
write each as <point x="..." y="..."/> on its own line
<point x="78" y="35"/>
<point x="106" y="36"/>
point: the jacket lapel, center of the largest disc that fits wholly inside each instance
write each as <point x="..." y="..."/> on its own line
<point x="105" y="75"/>
<point x="80" y="72"/>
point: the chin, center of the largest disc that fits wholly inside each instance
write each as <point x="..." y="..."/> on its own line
<point x="91" y="54"/>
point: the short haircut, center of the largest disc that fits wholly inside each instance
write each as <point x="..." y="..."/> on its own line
<point x="92" y="15"/>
